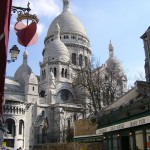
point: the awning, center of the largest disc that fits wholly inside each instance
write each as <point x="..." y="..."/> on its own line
<point x="134" y="121"/>
<point x="88" y="138"/>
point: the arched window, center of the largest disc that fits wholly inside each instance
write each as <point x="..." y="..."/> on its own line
<point x="80" y="60"/>
<point x="65" y="73"/>
<point x="62" y="72"/>
<point x="67" y="37"/>
<point x="21" y="126"/>
<point x="33" y="88"/>
<point x="75" y="117"/>
<point x="42" y="93"/>
<point x="68" y="123"/>
<point x="44" y="73"/>
<point x="10" y="124"/>
<point x="86" y="61"/>
<point x="19" y="110"/>
<point x="44" y="135"/>
<point x="73" y="37"/>
<point x="74" y="58"/>
<point x="54" y="72"/>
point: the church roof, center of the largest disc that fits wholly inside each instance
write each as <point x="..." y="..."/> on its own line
<point x="23" y="70"/>
<point x="68" y="24"/>
<point x="11" y="85"/>
<point x="13" y="98"/>
<point x="113" y="63"/>
<point x="145" y="34"/>
<point x="32" y="79"/>
<point x="40" y="120"/>
<point x="56" y="49"/>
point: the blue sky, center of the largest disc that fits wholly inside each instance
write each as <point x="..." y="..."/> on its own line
<point x="121" y="21"/>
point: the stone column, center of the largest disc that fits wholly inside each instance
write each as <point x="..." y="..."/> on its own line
<point x="16" y="135"/>
<point x="59" y="71"/>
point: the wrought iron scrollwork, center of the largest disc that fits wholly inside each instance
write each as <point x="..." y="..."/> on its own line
<point x="20" y="10"/>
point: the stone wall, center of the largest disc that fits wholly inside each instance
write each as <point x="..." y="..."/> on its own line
<point x="69" y="146"/>
<point x="56" y="146"/>
<point x="83" y="127"/>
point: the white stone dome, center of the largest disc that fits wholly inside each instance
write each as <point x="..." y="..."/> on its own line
<point x="24" y="70"/>
<point x="56" y="50"/>
<point x="32" y="79"/>
<point x="113" y="63"/>
<point x="68" y="23"/>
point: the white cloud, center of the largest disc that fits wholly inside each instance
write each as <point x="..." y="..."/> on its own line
<point x="42" y="8"/>
<point x="40" y="28"/>
<point x="47" y="8"/>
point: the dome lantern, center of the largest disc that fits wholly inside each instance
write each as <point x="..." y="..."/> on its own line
<point x="111" y="50"/>
<point x="66" y="5"/>
<point x="25" y="56"/>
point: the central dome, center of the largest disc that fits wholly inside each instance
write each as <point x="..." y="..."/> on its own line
<point x="68" y="24"/>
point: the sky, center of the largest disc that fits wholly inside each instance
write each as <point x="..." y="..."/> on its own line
<point x="121" y="21"/>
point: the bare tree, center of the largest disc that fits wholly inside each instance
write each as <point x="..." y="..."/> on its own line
<point x="99" y="86"/>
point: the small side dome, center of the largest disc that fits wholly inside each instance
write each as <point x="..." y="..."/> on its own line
<point x="113" y="63"/>
<point x="32" y="79"/>
<point x="56" y="50"/>
<point x="24" y="70"/>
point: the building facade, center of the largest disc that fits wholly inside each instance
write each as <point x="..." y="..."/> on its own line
<point x="146" y="41"/>
<point x="42" y="109"/>
<point x="125" y="123"/>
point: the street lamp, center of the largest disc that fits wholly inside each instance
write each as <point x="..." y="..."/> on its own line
<point x="14" y="51"/>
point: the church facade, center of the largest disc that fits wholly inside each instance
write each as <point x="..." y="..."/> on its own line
<point x="40" y="109"/>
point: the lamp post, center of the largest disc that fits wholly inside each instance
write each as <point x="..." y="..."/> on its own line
<point x="14" y="51"/>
